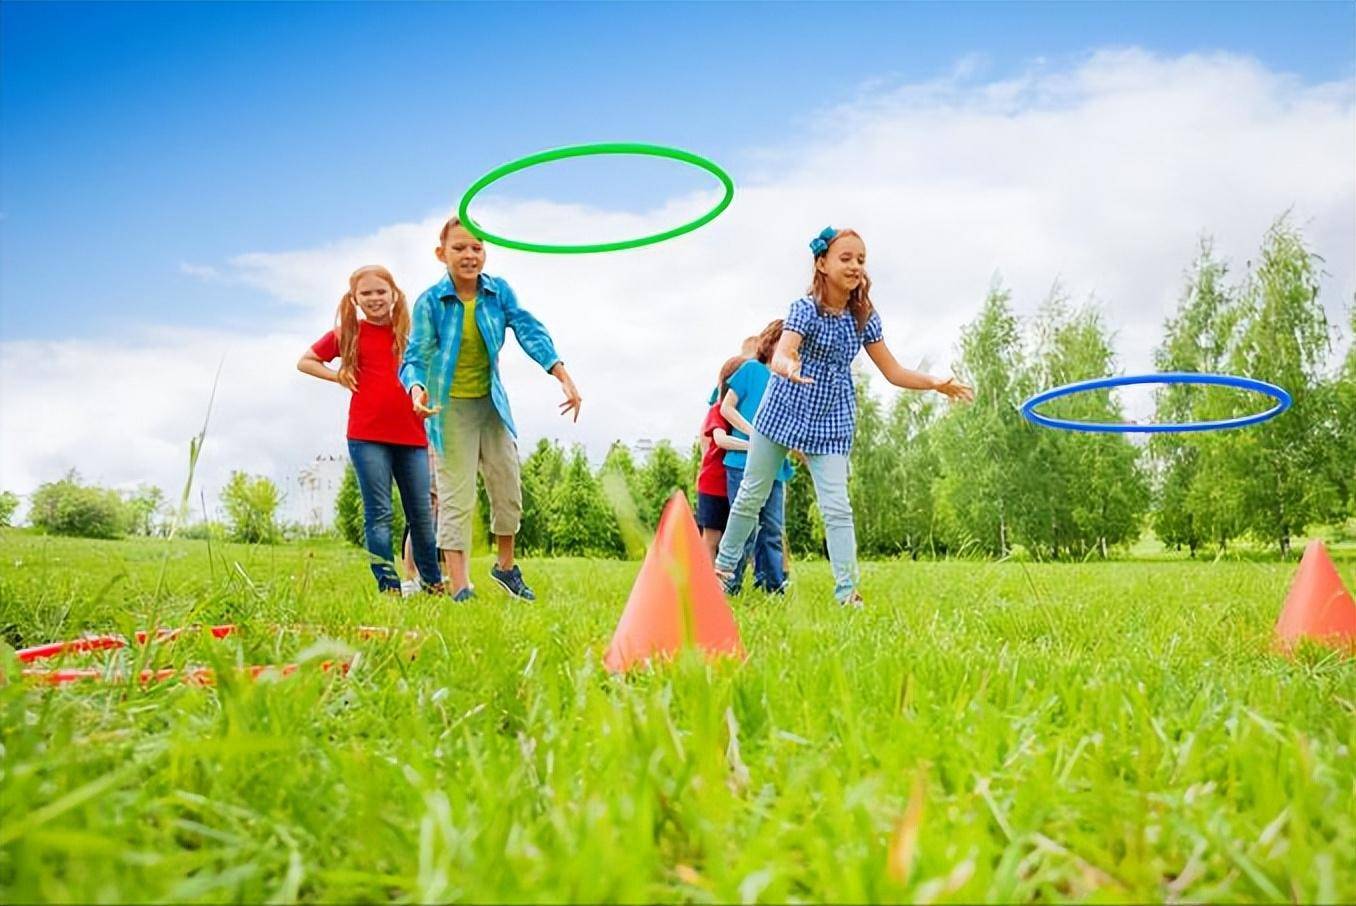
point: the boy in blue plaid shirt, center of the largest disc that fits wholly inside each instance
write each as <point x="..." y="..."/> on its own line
<point x="810" y="404"/>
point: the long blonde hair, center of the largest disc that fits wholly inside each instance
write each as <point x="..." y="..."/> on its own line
<point x="859" y="300"/>
<point x="346" y="320"/>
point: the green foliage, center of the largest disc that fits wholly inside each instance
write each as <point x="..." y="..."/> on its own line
<point x="203" y="531"/>
<point x="9" y="502"/>
<point x="1196" y="339"/>
<point x="1274" y="479"/>
<point x="620" y="483"/>
<point x="663" y="473"/>
<point x="582" y="524"/>
<point x="804" y="531"/>
<point x="251" y="505"/>
<point x="1344" y="414"/>
<point x="620" y="462"/>
<point x="1285" y="340"/>
<point x="543" y="472"/>
<point x="348" y="512"/>
<point x="143" y="508"/>
<point x="67" y="507"/>
<point x="986" y="454"/>
<point x="910" y="432"/>
<point x="873" y="485"/>
<point x="348" y="508"/>
<point x="1093" y="491"/>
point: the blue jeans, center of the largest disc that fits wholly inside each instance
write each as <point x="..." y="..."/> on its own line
<point x="765" y="544"/>
<point x="376" y="464"/>
<point x="829" y="471"/>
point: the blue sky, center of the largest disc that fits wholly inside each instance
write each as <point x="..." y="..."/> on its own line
<point x="138" y="138"/>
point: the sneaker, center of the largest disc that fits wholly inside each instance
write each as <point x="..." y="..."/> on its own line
<point x="853" y="600"/>
<point x="409" y="587"/>
<point x="465" y="594"/>
<point x="727" y="581"/>
<point x="511" y="580"/>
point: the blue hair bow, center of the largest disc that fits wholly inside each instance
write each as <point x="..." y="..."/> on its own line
<point x="820" y="244"/>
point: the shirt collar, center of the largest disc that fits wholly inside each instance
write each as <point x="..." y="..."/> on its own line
<point x="446" y="289"/>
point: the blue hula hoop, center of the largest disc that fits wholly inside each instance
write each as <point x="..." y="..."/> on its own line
<point x="1282" y="398"/>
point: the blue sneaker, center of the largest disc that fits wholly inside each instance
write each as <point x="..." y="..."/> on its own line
<point x="511" y="580"/>
<point x="465" y="594"/>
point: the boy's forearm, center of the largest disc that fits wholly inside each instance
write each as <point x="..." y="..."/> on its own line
<point x="413" y="371"/>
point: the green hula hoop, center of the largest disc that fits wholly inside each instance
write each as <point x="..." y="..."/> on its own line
<point x="543" y="157"/>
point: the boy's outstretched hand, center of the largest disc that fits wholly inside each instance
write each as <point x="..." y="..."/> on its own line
<point x="419" y="396"/>
<point x="955" y="390"/>
<point x="572" y="398"/>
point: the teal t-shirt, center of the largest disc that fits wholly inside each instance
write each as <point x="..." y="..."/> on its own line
<point x="749" y="384"/>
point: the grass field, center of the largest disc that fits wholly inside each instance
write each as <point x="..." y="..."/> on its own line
<point x="982" y="731"/>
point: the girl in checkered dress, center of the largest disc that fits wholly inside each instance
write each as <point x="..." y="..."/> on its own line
<point x="810" y="404"/>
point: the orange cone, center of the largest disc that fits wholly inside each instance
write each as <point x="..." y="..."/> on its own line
<point x="676" y="598"/>
<point x="1319" y="607"/>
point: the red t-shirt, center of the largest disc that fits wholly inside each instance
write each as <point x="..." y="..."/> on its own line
<point x="711" y="476"/>
<point x="380" y="410"/>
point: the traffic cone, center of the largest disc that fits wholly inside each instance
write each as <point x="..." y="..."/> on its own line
<point x="676" y="598"/>
<point x="1318" y="607"/>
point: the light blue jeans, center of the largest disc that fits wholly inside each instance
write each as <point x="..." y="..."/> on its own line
<point x="830" y="473"/>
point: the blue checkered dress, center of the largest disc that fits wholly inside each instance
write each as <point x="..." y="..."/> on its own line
<point x="818" y="417"/>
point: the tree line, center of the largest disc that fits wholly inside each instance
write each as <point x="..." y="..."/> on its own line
<point x="929" y="479"/>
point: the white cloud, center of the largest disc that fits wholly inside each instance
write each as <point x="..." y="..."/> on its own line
<point x="203" y="272"/>
<point x="1102" y="175"/>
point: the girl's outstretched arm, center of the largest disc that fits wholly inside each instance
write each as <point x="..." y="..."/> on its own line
<point x="729" y="407"/>
<point x="909" y="379"/>
<point x="311" y="364"/>
<point x="727" y="441"/>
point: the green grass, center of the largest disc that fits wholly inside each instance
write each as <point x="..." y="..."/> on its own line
<point x="983" y="731"/>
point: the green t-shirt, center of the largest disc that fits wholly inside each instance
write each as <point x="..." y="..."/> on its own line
<point x="471" y="380"/>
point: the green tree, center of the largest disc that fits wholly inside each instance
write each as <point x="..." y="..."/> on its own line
<point x="542" y="474"/>
<point x="694" y="465"/>
<point x="1344" y="415"/>
<point x="349" y="513"/>
<point x="251" y="508"/>
<point x="804" y="532"/>
<point x="663" y="473"/>
<point x="67" y="507"/>
<point x="913" y="418"/>
<point x="620" y="461"/>
<point x="142" y="507"/>
<point x="582" y="523"/>
<point x="873" y="481"/>
<point x="348" y="508"/>
<point x="985" y="453"/>
<point x="620" y="481"/>
<point x="1190" y="507"/>
<point x="1282" y="466"/>
<point x="1092" y="490"/>
<point x="9" y="502"/>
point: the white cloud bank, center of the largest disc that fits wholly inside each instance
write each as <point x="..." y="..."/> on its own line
<point x="1102" y="176"/>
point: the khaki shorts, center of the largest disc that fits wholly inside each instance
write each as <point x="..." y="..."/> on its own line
<point x="475" y="439"/>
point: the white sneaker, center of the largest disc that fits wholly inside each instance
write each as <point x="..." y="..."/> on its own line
<point x="409" y="587"/>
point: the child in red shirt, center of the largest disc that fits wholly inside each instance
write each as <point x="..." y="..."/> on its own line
<point x="713" y="506"/>
<point x="385" y="436"/>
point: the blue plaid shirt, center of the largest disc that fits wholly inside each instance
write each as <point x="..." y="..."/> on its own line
<point x="435" y="340"/>
<point x="819" y="417"/>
